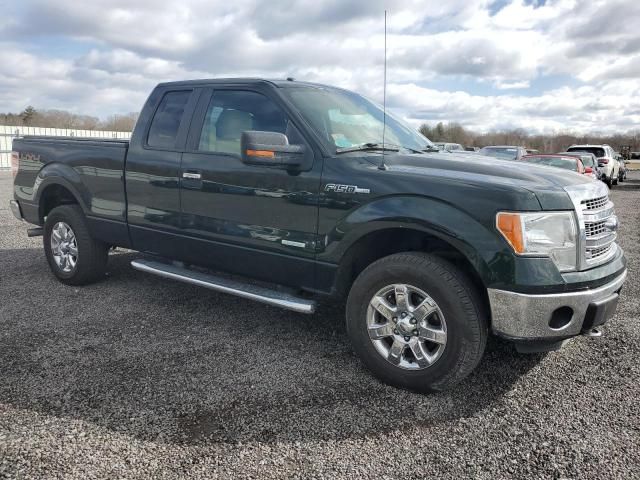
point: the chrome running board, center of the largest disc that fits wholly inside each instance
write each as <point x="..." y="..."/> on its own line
<point x="225" y="285"/>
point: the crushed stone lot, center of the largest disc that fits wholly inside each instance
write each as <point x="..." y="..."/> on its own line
<point x="140" y="377"/>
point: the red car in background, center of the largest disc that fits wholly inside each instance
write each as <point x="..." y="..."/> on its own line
<point x="567" y="162"/>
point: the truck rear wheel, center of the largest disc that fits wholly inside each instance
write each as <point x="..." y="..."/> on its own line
<point x="416" y="322"/>
<point x="74" y="256"/>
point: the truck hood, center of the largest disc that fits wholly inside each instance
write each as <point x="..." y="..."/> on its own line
<point x="512" y="171"/>
<point x="547" y="183"/>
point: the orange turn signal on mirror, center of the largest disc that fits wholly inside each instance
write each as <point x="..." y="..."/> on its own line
<point x="510" y="226"/>
<point x="261" y="153"/>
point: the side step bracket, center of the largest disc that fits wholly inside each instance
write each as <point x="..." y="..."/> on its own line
<point x="225" y="285"/>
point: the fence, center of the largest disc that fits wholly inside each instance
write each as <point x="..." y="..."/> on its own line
<point x="8" y="133"/>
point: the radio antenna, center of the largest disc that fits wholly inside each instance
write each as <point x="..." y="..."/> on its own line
<point x="382" y="166"/>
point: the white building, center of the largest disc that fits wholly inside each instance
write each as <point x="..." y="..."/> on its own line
<point x="8" y="133"/>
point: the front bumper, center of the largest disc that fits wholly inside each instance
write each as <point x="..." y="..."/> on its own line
<point x="15" y="209"/>
<point x="555" y="316"/>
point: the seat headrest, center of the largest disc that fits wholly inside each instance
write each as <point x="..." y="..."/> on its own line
<point x="232" y="123"/>
<point x="166" y="121"/>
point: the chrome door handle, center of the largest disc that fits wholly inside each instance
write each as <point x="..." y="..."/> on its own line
<point x="191" y="175"/>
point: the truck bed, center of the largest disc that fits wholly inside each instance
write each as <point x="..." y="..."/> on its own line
<point x="91" y="169"/>
<point x="108" y="142"/>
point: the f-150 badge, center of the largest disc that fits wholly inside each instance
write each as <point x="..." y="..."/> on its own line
<point x="337" y="188"/>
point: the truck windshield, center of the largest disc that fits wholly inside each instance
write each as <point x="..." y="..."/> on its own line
<point x="551" y="161"/>
<point x="503" y="153"/>
<point x="588" y="161"/>
<point x="345" y="119"/>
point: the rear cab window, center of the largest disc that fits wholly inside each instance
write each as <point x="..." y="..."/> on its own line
<point x="166" y="121"/>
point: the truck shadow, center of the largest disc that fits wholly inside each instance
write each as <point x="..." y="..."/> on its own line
<point x="167" y="362"/>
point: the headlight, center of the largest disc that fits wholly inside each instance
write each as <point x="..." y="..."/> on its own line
<point x="551" y="234"/>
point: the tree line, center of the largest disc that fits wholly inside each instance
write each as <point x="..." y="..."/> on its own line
<point x="441" y="132"/>
<point x="558" y="142"/>
<point x="30" y="117"/>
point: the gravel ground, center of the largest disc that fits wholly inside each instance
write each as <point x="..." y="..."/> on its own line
<point x="138" y="377"/>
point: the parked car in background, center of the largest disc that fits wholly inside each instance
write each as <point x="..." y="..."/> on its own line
<point x="472" y="149"/>
<point x="606" y="161"/>
<point x="622" y="172"/>
<point x="455" y="148"/>
<point x="566" y="162"/>
<point x="588" y="160"/>
<point x="449" y="147"/>
<point x="531" y="151"/>
<point x="504" y="152"/>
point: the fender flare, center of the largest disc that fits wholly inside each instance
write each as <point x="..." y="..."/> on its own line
<point x="64" y="176"/>
<point x="478" y="243"/>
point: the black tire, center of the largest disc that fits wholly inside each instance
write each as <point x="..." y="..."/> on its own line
<point x="461" y="306"/>
<point x="92" y="254"/>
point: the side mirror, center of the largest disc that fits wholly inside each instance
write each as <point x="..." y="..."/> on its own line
<point x="270" y="148"/>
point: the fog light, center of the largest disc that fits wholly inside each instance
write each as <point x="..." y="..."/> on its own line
<point x="561" y="317"/>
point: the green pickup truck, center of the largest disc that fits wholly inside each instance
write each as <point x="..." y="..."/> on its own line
<point x="285" y="192"/>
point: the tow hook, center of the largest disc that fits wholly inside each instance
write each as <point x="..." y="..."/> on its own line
<point x="593" y="332"/>
<point x="35" y="232"/>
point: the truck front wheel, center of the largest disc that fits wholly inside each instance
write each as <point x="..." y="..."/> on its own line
<point x="74" y="256"/>
<point x="416" y="322"/>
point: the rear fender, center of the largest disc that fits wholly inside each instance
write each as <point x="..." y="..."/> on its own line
<point x="65" y="176"/>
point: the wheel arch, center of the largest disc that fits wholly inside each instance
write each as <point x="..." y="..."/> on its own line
<point x="53" y="195"/>
<point x="58" y="184"/>
<point x="387" y="241"/>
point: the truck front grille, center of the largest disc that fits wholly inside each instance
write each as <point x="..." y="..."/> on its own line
<point x="597" y="223"/>
<point x="599" y="240"/>
<point x="593" y="229"/>
<point x="595" y="252"/>
<point x="595" y="203"/>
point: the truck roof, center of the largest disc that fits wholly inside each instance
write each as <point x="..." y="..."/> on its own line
<point x="502" y="146"/>
<point x="575" y="145"/>
<point x="288" y="82"/>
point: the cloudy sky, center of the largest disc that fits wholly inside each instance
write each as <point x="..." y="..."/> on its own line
<point x="550" y="65"/>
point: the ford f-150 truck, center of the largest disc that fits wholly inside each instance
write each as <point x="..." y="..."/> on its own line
<point x="285" y="191"/>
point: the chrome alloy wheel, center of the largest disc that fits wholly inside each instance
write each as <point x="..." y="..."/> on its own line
<point x="406" y="326"/>
<point x="64" y="247"/>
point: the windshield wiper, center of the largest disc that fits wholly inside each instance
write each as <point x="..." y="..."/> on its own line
<point x="368" y="146"/>
<point x="414" y="150"/>
<point x="411" y="149"/>
<point x="431" y="148"/>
